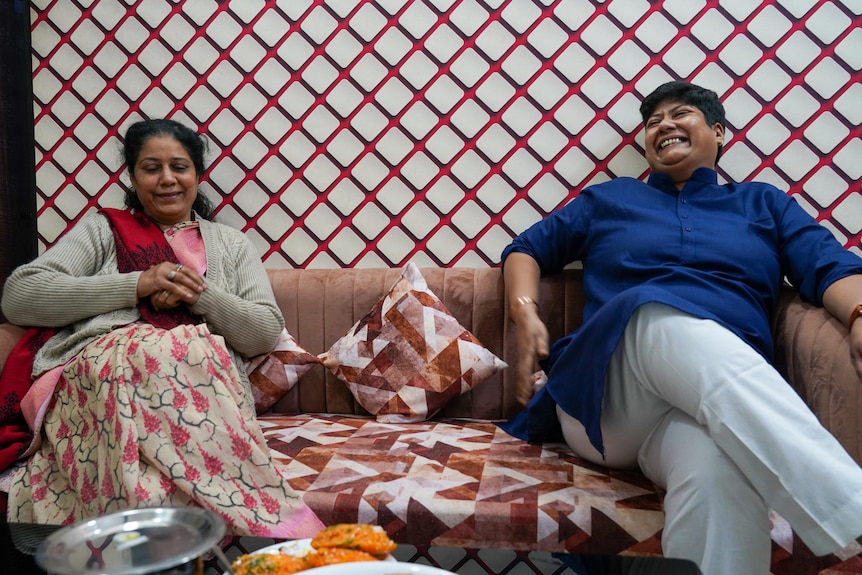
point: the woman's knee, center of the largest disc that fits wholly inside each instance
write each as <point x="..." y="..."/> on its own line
<point x="702" y="483"/>
<point x="679" y="453"/>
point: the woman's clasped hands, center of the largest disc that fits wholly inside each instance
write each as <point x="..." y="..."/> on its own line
<point x="169" y="284"/>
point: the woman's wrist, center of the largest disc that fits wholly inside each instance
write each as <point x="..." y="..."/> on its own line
<point x="525" y="300"/>
<point x="523" y="303"/>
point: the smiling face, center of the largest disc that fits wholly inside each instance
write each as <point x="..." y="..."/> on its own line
<point x="679" y="141"/>
<point x="165" y="180"/>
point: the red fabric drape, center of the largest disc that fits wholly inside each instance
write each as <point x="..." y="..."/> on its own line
<point x="15" y="434"/>
<point x="140" y="245"/>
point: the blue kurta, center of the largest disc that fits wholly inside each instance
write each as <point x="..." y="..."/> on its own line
<point x="713" y="251"/>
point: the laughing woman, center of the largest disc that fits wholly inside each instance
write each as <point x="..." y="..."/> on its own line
<point x="145" y="314"/>
<point x="670" y="371"/>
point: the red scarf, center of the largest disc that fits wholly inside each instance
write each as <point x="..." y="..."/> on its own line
<point x="140" y="244"/>
<point x="15" y="434"/>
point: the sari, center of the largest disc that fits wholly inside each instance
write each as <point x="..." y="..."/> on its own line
<point x="154" y="414"/>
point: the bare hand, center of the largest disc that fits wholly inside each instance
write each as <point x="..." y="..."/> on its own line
<point x="532" y="336"/>
<point x="169" y="284"/>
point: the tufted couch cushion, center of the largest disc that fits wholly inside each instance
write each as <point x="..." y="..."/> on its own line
<point x="812" y="350"/>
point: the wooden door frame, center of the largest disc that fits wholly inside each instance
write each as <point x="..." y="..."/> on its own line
<point x="18" y="232"/>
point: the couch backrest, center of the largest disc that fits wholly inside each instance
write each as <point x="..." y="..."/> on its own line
<point x="321" y="305"/>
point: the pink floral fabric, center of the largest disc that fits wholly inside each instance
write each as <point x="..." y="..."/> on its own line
<point x="146" y="417"/>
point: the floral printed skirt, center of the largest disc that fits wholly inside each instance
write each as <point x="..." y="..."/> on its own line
<point x="147" y="417"/>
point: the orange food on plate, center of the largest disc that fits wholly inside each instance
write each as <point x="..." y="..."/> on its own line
<point x="342" y="543"/>
<point x="269" y="564"/>
<point x="368" y="538"/>
<point x="333" y="555"/>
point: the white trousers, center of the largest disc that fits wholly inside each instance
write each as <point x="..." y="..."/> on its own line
<point x="708" y="419"/>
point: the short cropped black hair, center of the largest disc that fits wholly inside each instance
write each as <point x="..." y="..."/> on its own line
<point x="196" y="146"/>
<point x="701" y="98"/>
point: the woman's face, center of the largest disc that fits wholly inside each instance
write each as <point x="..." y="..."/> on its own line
<point x="678" y="140"/>
<point x="165" y="180"/>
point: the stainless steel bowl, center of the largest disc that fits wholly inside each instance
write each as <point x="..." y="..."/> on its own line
<point x="133" y="542"/>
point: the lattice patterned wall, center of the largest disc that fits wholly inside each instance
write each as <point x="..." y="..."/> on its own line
<point x="369" y="133"/>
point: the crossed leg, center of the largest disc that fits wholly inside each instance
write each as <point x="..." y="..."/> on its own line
<point x="706" y="417"/>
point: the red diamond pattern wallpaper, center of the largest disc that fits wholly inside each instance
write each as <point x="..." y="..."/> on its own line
<point x="369" y="133"/>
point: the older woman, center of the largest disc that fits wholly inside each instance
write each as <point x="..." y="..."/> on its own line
<point x="138" y="394"/>
<point x="670" y="370"/>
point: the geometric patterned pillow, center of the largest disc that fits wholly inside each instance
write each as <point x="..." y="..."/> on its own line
<point x="408" y="357"/>
<point x="273" y="374"/>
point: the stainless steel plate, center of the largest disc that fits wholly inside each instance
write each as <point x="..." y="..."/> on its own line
<point x="131" y="542"/>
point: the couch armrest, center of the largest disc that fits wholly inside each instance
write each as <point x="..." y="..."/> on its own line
<point x="9" y="336"/>
<point x="812" y="351"/>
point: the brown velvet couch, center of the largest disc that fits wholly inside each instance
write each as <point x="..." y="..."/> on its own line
<point x="460" y="480"/>
<point x="811" y="347"/>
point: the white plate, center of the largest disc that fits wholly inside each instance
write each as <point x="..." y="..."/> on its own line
<point x="298" y="547"/>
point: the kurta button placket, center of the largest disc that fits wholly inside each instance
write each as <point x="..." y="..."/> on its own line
<point x="684" y="215"/>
